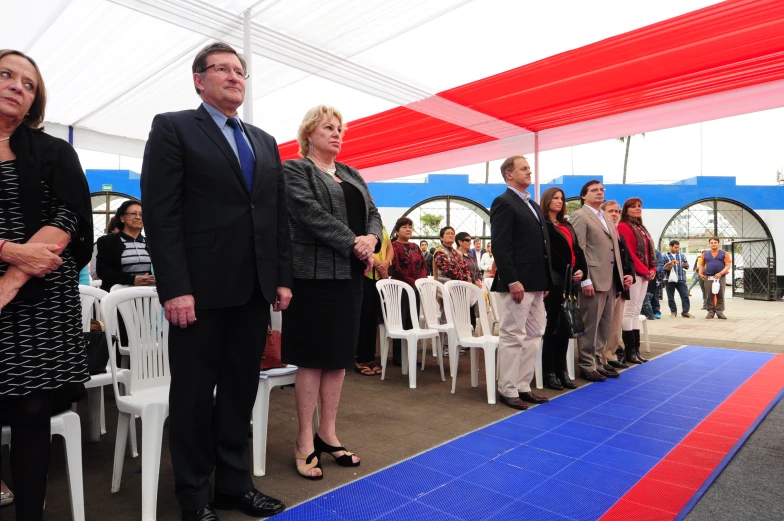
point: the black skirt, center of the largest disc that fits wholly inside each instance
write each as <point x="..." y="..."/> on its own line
<point x="321" y="325"/>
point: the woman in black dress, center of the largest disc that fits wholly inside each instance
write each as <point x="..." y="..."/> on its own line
<point x="335" y="229"/>
<point x="45" y="239"/>
<point x="564" y="251"/>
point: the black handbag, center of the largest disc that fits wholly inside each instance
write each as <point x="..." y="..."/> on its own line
<point x="570" y="321"/>
<point x="96" y="348"/>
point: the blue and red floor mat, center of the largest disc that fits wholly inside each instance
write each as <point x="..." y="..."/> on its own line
<point x="642" y="447"/>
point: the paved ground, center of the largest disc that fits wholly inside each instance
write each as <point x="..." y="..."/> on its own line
<point x="384" y="422"/>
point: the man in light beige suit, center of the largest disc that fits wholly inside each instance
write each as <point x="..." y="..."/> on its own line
<point x="603" y="282"/>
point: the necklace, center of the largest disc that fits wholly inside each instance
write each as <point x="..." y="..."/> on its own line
<point x="4" y="139"/>
<point x="321" y="166"/>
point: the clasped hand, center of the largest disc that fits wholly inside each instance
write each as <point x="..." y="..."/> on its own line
<point x="34" y="259"/>
<point x="364" y="246"/>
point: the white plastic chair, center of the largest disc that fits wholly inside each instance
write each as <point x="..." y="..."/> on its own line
<point x="428" y="292"/>
<point x="459" y="308"/>
<point x="66" y="425"/>
<point x="147" y="392"/>
<point x="644" y="322"/>
<point x="391" y="292"/>
<point x="96" y="419"/>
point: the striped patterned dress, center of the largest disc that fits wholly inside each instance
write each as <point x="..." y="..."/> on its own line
<point x="41" y="344"/>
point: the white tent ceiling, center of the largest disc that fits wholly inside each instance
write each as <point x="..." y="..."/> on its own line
<point x="111" y="65"/>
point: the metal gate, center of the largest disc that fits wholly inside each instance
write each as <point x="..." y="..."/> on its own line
<point x="753" y="269"/>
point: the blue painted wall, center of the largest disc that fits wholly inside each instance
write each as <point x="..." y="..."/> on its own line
<point x="122" y="181"/>
<point x="406" y="195"/>
<point x="655" y="196"/>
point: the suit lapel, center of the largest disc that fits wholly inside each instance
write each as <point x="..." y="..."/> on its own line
<point x="207" y="124"/>
<point x="598" y="221"/>
<point x="258" y="152"/>
<point x="522" y="204"/>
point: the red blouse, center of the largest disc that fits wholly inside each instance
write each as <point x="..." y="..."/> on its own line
<point x="640" y="265"/>
<point x="565" y="230"/>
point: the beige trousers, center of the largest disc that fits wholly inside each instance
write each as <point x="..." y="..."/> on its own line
<point x="614" y="340"/>
<point x="520" y="338"/>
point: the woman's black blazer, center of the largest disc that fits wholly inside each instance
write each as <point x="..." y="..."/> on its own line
<point x="561" y="255"/>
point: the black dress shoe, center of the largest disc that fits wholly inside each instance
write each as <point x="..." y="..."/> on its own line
<point x="532" y="398"/>
<point x="205" y="513"/>
<point x="617" y="364"/>
<point x="514" y="403"/>
<point x="566" y="381"/>
<point x="252" y="503"/>
<point x="552" y="382"/>
<point x="592" y="376"/>
<point x="608" y="372"/>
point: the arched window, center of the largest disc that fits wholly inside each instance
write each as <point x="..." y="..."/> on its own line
<point x="464" y="215"/>
<point x="104" y="205"/>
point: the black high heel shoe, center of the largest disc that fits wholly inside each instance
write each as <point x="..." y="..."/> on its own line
<point x="345" y="460"/>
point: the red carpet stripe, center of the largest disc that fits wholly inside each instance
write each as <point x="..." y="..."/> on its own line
<point x="666" y="489"/>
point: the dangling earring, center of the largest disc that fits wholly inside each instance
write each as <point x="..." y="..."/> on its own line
<point x="310" y="147"/>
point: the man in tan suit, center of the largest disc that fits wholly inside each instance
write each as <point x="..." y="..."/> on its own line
<point x="603" y="282"/>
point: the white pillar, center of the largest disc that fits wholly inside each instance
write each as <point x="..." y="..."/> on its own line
<point x="247" y="106"/>
<point x="536" y="166"/>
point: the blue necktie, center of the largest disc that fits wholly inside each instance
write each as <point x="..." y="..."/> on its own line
<point x="247" y="161"/>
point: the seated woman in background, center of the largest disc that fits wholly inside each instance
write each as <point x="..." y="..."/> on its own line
<point x="123" y="257"/>
<point x="408" y="265"/>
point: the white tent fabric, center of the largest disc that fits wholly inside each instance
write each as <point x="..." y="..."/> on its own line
<point x="111" y="65"/>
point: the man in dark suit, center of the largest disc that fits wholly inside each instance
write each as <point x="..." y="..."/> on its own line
<point x="214" y="199"/>
<point x="522" y="250"/>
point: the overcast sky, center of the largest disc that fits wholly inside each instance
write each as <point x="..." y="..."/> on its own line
<point x="749" y="147"/>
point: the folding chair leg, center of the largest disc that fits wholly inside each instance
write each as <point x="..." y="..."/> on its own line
<point x="538" y="366"/>
<point x="134" y="452"/>
<point x="411" y="351"/>
<point x="73" y="457"/>
<point x="384" y="354"/>
<point x="103" y="413"/>
<point x="152" y="439"/>
<point x="474" y="369"/>
<point x="570" y="358"/>
<point x="260" y="417"/>
<point x="435" y="342"/>
<point x="123" y="420"/>
<point x="490" y="374"/>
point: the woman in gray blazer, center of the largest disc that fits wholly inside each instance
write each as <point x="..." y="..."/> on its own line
<point x="335" y="229"/>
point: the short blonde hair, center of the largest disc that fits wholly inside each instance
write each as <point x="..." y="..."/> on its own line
<point x="309" y="122"/>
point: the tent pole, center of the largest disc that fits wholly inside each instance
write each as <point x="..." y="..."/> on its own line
<point x="247" y="106"/>
<point x="536" y="166"/>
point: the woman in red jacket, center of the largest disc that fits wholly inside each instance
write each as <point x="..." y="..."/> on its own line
<point x="641" y="249"/>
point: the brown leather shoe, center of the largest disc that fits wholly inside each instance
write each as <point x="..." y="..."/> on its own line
<point x="687" y="315"/>
<point x="607" y="372"/>
<point x="514" y="403"/>
<point x="592" y="376"/>
<point x="721" y="316"/>
<point x="532" y="398"/>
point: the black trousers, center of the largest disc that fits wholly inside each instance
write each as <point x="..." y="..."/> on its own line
<point x="554" y="347"/>
<point x="368" y="322"/>
<point x="222" y="348"/>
